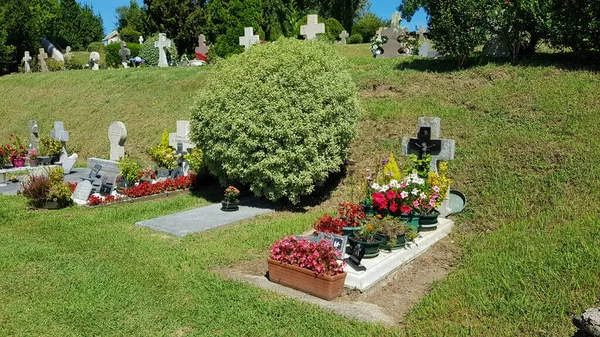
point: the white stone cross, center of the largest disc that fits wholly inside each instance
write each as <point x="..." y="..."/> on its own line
<point x="312" y="27"/>
<point x="249" y="38"/>
<point x="141" y="39"/>
<point x="202" y="47"/>
<point x="180" y="140"/>
<point x="161" y="44"/>
<point x="395" y="23"/>
<point x="343" y="37"/>
<point x="422" y="32"/>
<point x="26" y="59"/>
<point x="117" y="135"/>
<point x="42" y="57"/>
<point x="60" y="134"/>
<point x="445" y="153"/>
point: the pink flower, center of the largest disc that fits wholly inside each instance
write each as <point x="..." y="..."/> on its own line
<point x="416" y="203"/>
<point x="379" y="201"/>
<point x="405" y="209"/>
<point x="394" y="207"/>
<point x="436" y="189"/>
<point x="390" y="195"/>
<point x="403" y="185"/>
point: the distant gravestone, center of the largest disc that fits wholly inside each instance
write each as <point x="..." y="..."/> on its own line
<point x="141" y="39"/>
<point x="94" y="60"/>
<point x="422" y="32"/>
<point x="249" y="39"/>
<point x="180" y="140"/>
<point x="61" y="135"/>
<point x="426" y="51"/>
<point x="379" y="31"/>
<point x="312" y="27"/>
<point x="34" y="136"/>
<point x="27" y="59"/>
<point x="68" y="55"/>
<point x="343" y="36"/>
<point x="42" y="57"/>
<point x="202" y="49"/>
<point x="161" y="44"/>
<point x="428" y="142"/>
<point x="393" y="48"/>
<point x="82" y="192"/>
<point x="117" y="135"/>
<point x="125" y="53"/>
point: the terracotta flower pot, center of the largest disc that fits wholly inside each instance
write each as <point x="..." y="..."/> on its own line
<point x="325" y="287"/>
<point x="33" y="162"/>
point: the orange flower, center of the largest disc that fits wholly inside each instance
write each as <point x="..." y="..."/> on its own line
<point x="369" y="227"/>
<point x="379" y="216"/>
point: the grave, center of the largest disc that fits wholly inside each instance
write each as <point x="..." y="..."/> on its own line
<point x="42" y="57"/>
<point x="312" y="27"/>
<point x="205" y="218"/>
<point x="68" y="55"/>
<point x="421" y="33"/>
<point x="394" y="48"/>
<point x="249" y="38"/>
<point x="426" y="51"/>
<point x="26" y="60"/>
<point x="34" y="136"/>
<point x="125" y="53"/>
<point x="141" y="39"/>
<point x="82" y="192"/>
<point x="386" y="263"/>
<point x="427" y="142"/>
<point x="343" y="36"/>
<point x="161" y="44"/>
<point x="180" y="140"/>
<point x="67" y="162"/>
<point x="202" y="49"/>
<point x="94" y="59"/>
<point x="117" y="135"/>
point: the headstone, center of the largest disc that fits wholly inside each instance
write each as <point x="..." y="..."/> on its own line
<point x="427" y="142"/>
<point x="312" y="27"/>
<point x="422" y="32"/>
<point x="125" y="53"/>
<point x="60" y="134"/>
<point x="249" y="38"/>
<point x="343" y="37"/>
<point x="394" y="48"/>
<point x="27" y="59"/>
<point x="34" y="136"/>
<point x="161" y="44"/>
<point x="94" y="60"/>
<point x="496" y="47"/>
<point x="117" y="135"/>
<point x="356" y="255"/>
<point x="395" y="22"/>
<point x="180" y="140"/>
<point x="42" y="57"/>
<point x="202" y="49"/>
<point x="588" y="323"/>
<point x="426" y="51"/>
<point x="68" y="55"/>
<point x="162" y="173"/>
<point x="141" y="39"/>
<point x="337" y="241"/>
<point x="82" y="192"/>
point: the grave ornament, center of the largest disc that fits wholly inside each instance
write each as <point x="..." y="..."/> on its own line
<point x="34" y="136"/>
<point x="356" y="255"/>
<point x="428" y="143"/>
<point x="42" y="57"/>
<point x="343" y="36"/>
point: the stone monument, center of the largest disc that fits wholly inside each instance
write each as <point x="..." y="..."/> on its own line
<point x="180" y="140"/>
<point x="428" y="142"/>
<point x="26" y="60"/>
<point x="117" y="135"/>
<point x="42" y="57"/>
<point x="34" y="136"/>
<point x="161" y="44"/>
<point x="312" y="27"/>
<point x="393" y="47"/>
<point x="422" y="32"/>
<point x="68" y="55"/>
<point x="343" y="37"/>
<point x="82" y="192"/>
<point x="202" y="49"/>
<point x="141" y="39"/>
<point x="94" y="59"/>
<point x="249" y="38"/>
<point x="125" y="53"/>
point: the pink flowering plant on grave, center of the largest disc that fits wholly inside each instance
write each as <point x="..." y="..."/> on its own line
<point x="317" y="257"/>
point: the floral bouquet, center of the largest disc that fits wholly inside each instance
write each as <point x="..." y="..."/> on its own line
<point x="231" y="194"/>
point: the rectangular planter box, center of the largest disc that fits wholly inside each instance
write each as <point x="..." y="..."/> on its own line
<point x="325" y="287"/>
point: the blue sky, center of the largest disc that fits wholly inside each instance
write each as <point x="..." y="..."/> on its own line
<point x="383" y="8"/>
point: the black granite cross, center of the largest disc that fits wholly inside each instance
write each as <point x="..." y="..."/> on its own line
<point x="423" y="144"/>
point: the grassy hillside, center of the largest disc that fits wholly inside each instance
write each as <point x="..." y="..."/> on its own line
<point x="526" y="158"/>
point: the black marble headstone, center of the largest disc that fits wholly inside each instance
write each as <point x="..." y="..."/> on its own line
<point x="356" y="255"/>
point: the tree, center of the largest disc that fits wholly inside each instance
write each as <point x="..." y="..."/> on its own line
<point x="367" y="26"/>
<point x="131" y="16"/>
<point x="576" y="24"/>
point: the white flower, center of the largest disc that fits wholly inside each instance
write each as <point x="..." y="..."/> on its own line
<point x="415" y="191"/>
<point x="394" y="184"/>
<point x="376" y="186"/>
<point x="436" y="189"/>
<point x="423" y="195"/>
<point x="384" y="188"/>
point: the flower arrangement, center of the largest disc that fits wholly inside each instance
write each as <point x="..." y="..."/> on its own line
<point x="4" y="155"/>
<point x="39" y="189"/>
<point x="145" y="188"/>
<point x="163" y="154"/>
<point x="377" y="43"/>
<point x="317" y="257"/>
<point x="329" y="224"/>
<point x="367" y="233"/>
<point x="231" y="194"/>
<point x="97" y="199"/>
<point x="147" y="173"/>
<point x="33" y="154"/>
<point x="129" y="169"/>
<point x="16" y="149"/>
<point x="351" y="214"/>
<point x="51" y="146"/>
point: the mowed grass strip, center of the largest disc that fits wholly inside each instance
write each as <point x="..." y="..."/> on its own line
<point x="526" y="158"/>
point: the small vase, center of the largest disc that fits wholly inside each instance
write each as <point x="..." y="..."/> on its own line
<point x="18" y="162"/>
<point x="230" y="206"/>
<point x="428" y="222"/>
<point x="371" y="248"/>
<point x="412" y="220"/>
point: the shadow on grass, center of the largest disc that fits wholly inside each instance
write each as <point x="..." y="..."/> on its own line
<point x="563" y="61"/>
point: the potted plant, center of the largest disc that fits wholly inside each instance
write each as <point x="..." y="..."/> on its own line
<point x="367" y="238"/>
<point x="392" y="231"/>
<point x="329" y="224"/>
<point x="43" y="158"/>
<point x="352" y="215"/>
<point x="17" y="151"/>
<point x="50" y="192"/>
<point x="164" y="155"/>
<point x="129" y="171"/>
<point x="33" y="155"/>
<point x="436" y="192"/>
<point x="230" y="202"/>
<point x="53" y="148"/>
<point x="307" y="266"/>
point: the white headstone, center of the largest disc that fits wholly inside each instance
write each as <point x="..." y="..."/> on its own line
<point x="117" y="135"/>
<point x="42" y="57"/>
<point x="141" y="39"/>
<point x="312" y="28"/>
<point x="82" y="192"/>
<point x="94" y="59"/>
<point x="68" y="55"/>
<point x="161" y="44"/>
<point x="34" y="136"/>
<point x="249" y="38"/>
<point x="343" y="37"/>
<point x="59" y="132"/>
<point x="26" y="59"/>
<point x="180" y="140"/>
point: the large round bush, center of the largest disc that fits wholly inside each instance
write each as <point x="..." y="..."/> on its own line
<point x="150" y="53"/>
<point x="279" y="117"/>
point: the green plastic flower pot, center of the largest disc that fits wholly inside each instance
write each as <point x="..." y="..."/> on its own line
<point x="368" y="208"/>
<point x="400" y="242"/>
<point x="412" y="220"/>
<point x="349" y="231"/>
<point x="428" y="222"/>
<point x="371" y="248"/>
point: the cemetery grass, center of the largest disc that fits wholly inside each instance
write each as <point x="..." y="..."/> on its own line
<point x="528" y="259"/>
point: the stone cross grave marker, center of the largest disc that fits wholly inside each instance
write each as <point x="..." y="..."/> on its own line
<point x="141" y="39"/>
<point x="180" y="140"/>
<point x="26" y="59"/>
<point x="60" y="134"/>
<point x="249" y="39"/>
<point x="392" y="47"/>
<point x="124" y="52"/>
<point x="202" y="47"/>
<point x="117" y="135"/>
<point x="82" y="192"/>
<point x="42" y="57"/>
<point x="34" y="136"/>
<point x="428" y="142"/>
<point x="312" y="27"/>
<point x="424" y="49"/>
<point x="161" y="44"/>
<point x="395" y="22"/>
<point x="422" y="32"/>
<point x="94" y="59"/>
<point x="68" y="55"/>
<point x="343" y="37"/>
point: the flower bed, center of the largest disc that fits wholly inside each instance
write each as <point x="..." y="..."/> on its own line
<point x="145" y="188"/>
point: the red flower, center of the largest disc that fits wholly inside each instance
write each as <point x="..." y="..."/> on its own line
<point x="394" y="207"/>
<point x="379" y="201"/>
<point x="405" y="209"/>
<point x="390" y="195"/>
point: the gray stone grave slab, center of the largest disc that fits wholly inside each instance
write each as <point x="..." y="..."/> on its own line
<point x="205" y="218"/>
<point x="107" y="165"/>
<point x="82" y="193"/>
<point x="312" y="27"/>
<point x="117" y="135"/>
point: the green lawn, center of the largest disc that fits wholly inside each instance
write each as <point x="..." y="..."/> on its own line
<point x="526" y="158"/>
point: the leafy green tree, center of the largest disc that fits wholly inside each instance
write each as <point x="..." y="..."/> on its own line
<point x="7" y="52"/>
<point x="131" y="16"/>
<point x="576" y="24"/>
<point x="367" y="26"/>
<point x="227" y="21"/>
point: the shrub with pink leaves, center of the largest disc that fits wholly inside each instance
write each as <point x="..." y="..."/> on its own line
<point x="317" y="257"/>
